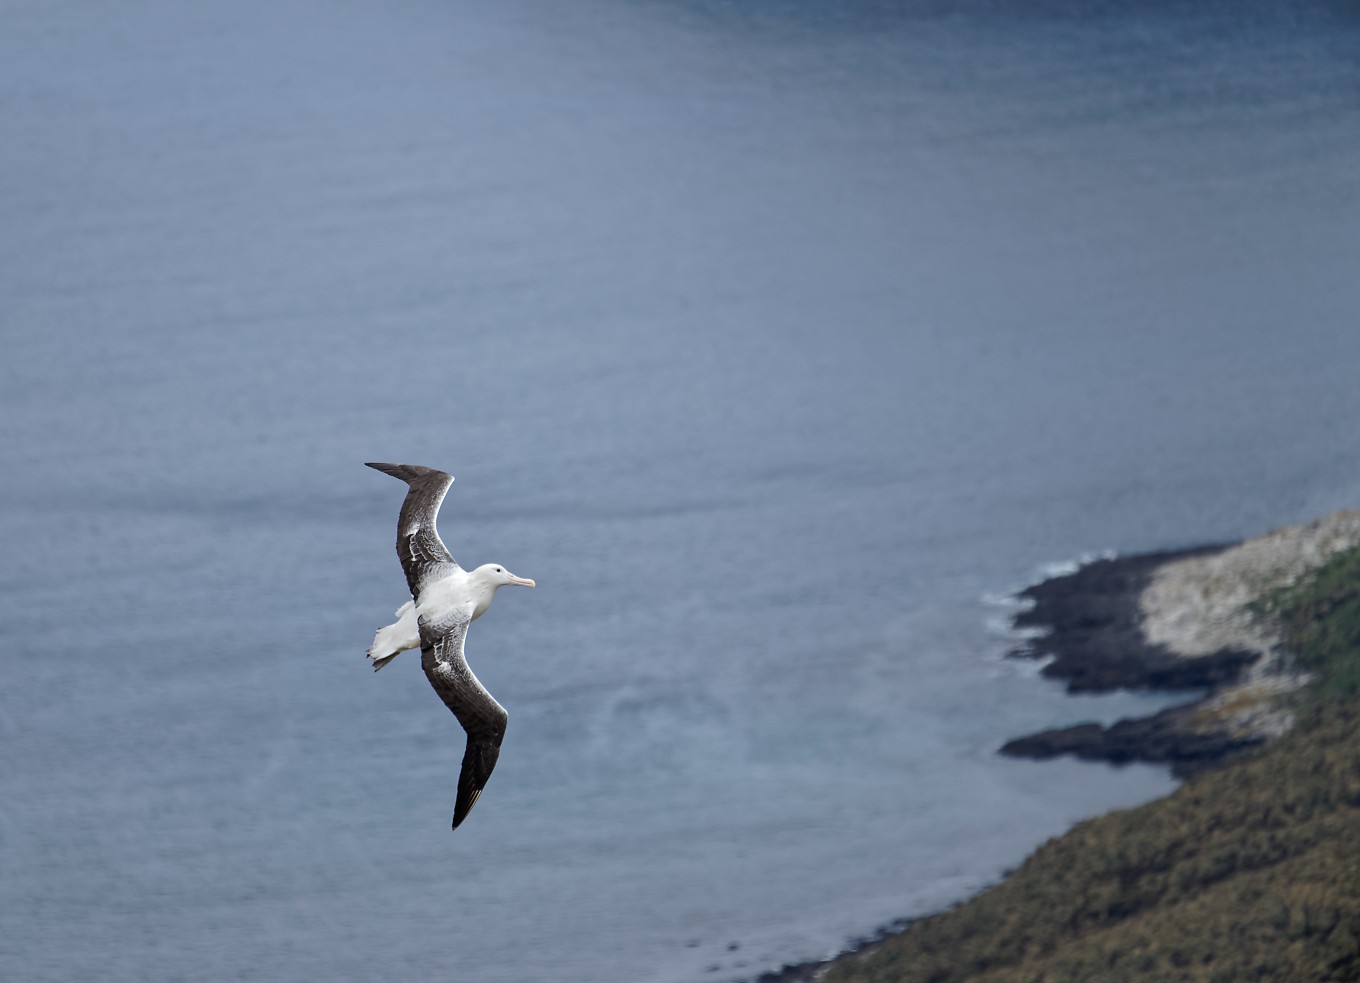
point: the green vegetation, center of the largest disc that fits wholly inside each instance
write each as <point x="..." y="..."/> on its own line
<point x="1322" y="627"/>
<point x="1248" y="873"/>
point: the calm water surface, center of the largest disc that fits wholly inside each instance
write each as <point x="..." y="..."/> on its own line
<point x="775" y="340"/>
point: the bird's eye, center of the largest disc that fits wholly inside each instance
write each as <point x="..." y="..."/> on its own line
<point x="499" y="570"/>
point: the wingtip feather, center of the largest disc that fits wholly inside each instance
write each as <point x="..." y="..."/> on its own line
<point x="460" y="814"/>
<point x="406" y="472"/>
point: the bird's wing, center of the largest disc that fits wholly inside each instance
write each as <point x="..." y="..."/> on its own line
<point x="441" y="655"/>
<point x="423" y="554"/>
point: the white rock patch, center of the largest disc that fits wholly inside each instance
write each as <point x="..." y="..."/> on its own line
<point x="1200" y="605"/>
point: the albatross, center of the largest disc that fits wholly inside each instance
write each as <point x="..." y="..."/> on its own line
<point x="445" y="599"/>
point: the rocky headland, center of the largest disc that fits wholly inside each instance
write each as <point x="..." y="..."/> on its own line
<point x="1183" y="620"/>
<point x="1249" y="869"/>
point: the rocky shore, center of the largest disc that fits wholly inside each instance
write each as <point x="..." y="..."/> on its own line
<point x="1198" y="620"/>
<point x="1182" y="620"/>
<point x="1095" y="642"/>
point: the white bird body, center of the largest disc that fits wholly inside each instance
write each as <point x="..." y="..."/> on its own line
<point x="440" y="601"/>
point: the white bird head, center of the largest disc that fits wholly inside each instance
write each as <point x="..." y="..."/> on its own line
<point x="494" y="575"/>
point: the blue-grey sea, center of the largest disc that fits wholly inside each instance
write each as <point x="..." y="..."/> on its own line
<point x="778" y="341"/>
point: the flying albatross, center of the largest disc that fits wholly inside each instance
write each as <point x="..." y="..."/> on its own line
<point x="445" y="600"/>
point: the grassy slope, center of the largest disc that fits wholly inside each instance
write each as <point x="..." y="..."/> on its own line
<point x="1248" y="873"/>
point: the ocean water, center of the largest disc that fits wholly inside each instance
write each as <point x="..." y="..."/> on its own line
<point x="777" y="341"/>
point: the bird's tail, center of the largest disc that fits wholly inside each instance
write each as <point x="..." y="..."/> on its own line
<point x="406" y="472"/>
<point x="392" y="640"/>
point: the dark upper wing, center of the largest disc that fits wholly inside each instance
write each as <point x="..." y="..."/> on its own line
<point x="441" y="655"/>
<point x="419" y="547"/>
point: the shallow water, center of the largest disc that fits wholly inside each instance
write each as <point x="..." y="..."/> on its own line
<point x="776" y="341"/>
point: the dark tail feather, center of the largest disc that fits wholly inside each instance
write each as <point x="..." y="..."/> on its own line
<point x="379" y="663"/>
<point x="406" y="472"/>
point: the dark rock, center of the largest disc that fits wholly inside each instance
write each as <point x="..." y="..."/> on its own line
<point x="1163" y="738"/>
<point x="1095" y="638"/>
<point x="1095" y="635"/>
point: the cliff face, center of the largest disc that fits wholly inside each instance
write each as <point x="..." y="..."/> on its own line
<point x="1185" y="620"/>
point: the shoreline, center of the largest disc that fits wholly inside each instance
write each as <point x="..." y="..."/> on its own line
<point x="1096" y="643"/>
<point x="1181" y="620"/>
<point x="1091" y="619"/>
